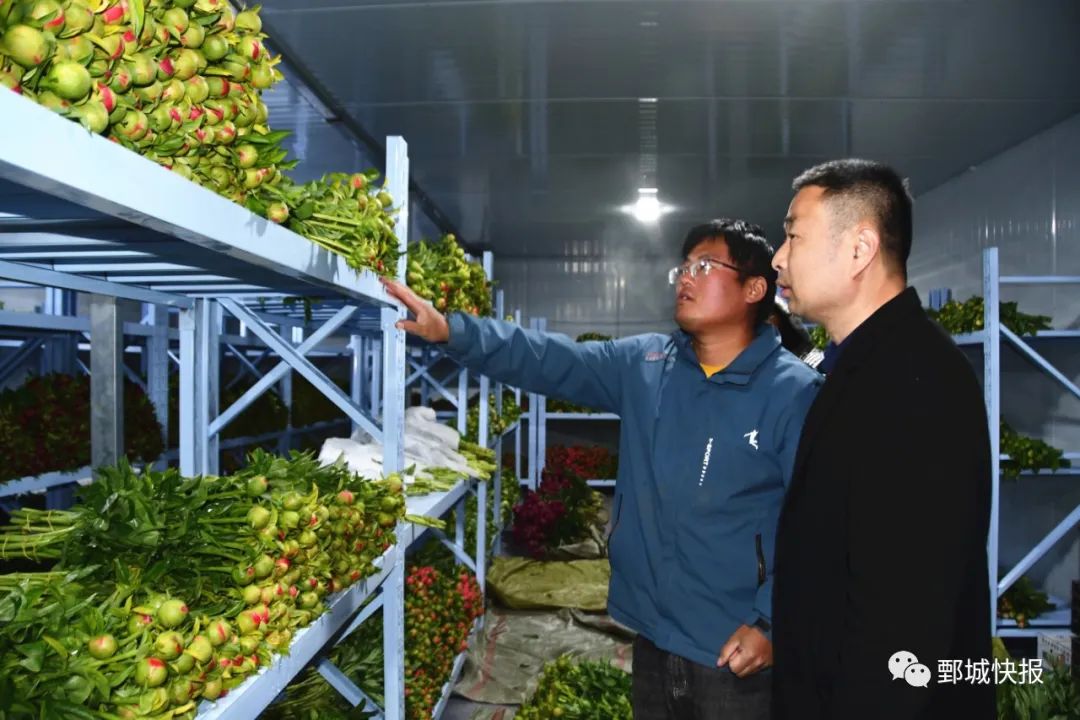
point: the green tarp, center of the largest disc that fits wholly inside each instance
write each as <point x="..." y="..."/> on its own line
<point x="523" y="584"/>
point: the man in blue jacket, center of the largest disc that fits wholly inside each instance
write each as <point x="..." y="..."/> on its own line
<point x="711" y="416"/>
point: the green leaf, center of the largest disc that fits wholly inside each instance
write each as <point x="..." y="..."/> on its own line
<point x="305" y="211"/>
<point x="138" y="13"/>
<point x="33" y="656"/>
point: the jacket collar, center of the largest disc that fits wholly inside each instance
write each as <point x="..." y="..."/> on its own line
<point x="862" y="340"/>
<point x="742" y="368"/>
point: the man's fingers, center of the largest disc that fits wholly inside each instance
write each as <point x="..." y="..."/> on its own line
<point x="740" y="661"/>
<point x="726" y="652"/>
<point x="748" y="668"/>
<point x="402" y="293"/>
<point x="409" y="326"/>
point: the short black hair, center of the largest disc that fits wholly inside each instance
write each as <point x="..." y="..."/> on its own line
<point x="749" y="251"/>
<point x="870" y="187"/>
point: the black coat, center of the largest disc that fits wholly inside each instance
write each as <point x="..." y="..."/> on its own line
<point x="881" y="545"/>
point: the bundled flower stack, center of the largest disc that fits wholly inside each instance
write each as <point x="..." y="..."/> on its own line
<point x="164" y="589"/>
<point x="561" y="511"/>
<point x="45" y="425"/>
<point x="178" y="81"/>
<point x="441" y="605"/>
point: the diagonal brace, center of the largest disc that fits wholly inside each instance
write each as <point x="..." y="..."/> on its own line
<point x="346" y="687"/>
<point x="1063" y="528"/>
<point x="278" y="371"/>
<point x="244" y="362"/>
<point x="292" y="357"/>
<point x="424" y="372"/>
<point x="1039" y="360"/>
<point x="28" y="348"/>
<point x="374" y="605"/>
<point x="453" y="547"/>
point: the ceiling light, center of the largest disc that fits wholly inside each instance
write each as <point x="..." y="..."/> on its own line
<point x="647" y="100"/>
<point x="647" y="209"/>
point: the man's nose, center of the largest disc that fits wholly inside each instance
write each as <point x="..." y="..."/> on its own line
<point x="779" y="257"/>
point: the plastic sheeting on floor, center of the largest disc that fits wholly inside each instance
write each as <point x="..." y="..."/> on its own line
<point x="505" y="660"/>
<point x="523" y="584"/>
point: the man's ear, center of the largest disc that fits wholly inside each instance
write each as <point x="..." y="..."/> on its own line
<point x="754" y="289"/>
<point x="867" y="247"/>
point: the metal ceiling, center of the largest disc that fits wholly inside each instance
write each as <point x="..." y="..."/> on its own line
<point x="527" y="126"/>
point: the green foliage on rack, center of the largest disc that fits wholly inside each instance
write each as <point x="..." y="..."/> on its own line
<point x="1028" y="454"/>
<point x="45" y="426"/>
<point x="959" y="318"/>
<point x="583" y="690"/>
<point x="1022" y="602"/>
<point x="497" y="424"/>
<point x="440" y="272"/>
<point x="819" y="336"/>
<point x="345" y="214"/>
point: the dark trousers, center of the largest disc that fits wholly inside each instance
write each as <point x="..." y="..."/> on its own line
<point x="669" y="687"/>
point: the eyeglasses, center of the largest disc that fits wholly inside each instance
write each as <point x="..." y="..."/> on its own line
<point x="698" y="266"/>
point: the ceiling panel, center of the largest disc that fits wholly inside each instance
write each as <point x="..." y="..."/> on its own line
<point x="525" y="119"/>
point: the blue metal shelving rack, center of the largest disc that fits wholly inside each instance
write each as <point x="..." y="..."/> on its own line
<point x="539" y="417"/>
<point x="989" y="339"/>
<point x="98" y="219"/>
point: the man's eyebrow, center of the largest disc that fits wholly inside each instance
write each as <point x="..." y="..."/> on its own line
<point x="788" y="221"/>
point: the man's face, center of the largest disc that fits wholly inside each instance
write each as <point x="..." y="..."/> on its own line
<point x="715" y="298"/>
<point x="811" y="274"/>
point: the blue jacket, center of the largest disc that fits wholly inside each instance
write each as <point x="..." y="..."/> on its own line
<point x="703" y="467"/>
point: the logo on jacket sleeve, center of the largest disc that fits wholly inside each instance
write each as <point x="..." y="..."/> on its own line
<point x="752" y="438"/>
<point x="655" y="356"/>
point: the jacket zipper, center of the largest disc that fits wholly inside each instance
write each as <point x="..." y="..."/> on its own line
<point x="760" y="560"/>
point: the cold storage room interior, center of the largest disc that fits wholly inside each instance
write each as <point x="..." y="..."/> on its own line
<point x="417" y="360"/>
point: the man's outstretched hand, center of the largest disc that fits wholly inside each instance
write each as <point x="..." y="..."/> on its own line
<point x="429" y="323"/>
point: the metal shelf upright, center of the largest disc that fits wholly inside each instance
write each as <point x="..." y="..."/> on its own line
<point x="989" y="340"/>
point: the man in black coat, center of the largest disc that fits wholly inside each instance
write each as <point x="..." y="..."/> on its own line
<point x="881" y="563"/>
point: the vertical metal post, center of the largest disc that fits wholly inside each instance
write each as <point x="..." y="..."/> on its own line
<point x="992" y="396"/>
<point x="463" y="400"/>
<point x="425" y="386"/>
<point x="393" y="427"/>
<point x="106" y="381"/>
<point x="375" y="350"/>
<point x="524" y="419"/>
<point x="393" y="415"/>
<point x="534" y="426"/>
<point x="496" y="546"/>
<point x="203" y="375"/>
<point x="286" y="391"/>
<point x="356" y="372"/>
<point x="157" y="365"/>
<point x="541" y="421"/>
<point x="188" y="322"/>
<point x="481" y="489"/>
